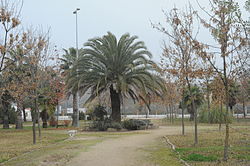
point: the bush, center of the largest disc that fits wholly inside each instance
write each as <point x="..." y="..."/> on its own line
<point x="99" y="113"/>
<point x="52" y="121"/>
<point x="81" y="116"/>
<point x="115" y="125"/>
<point x="215" y="115"/>
<point x="67" y="122"/>
<point x="135" y="124"/>
<point x="11" y="114"/>
<point x="105" y="124"/>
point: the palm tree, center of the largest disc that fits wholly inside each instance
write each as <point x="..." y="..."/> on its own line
<point x="68" y="60"/>
<point x="123" y="68"/>
<point x="198" y="100"/>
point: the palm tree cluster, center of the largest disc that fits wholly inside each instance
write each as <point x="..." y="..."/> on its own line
<point x="123" y="68"/>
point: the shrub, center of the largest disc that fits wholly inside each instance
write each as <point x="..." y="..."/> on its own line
<point x="135" y="124"/>
<point x="12" y="116"/>
<point x="52" y="121"/>
<point x="115" y="125"/>
<point x="81" y="116"/>
<point x="67" y="122"/>
<point x="99" y="113"/>
<point x="105" y="124"/>
<point x="98" y="125"/>
<point x="215" y="115"/>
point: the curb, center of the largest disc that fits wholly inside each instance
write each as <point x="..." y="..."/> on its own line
<point x="173" y="148"/>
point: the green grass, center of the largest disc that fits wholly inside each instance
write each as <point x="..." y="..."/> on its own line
<point x="199" y="157"/>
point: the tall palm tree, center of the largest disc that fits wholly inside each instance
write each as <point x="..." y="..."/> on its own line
<point x="123" y="68"/>
<point x="68" y="60"/>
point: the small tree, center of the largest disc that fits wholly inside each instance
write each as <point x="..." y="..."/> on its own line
<point x="180" y="60"/>
<point x="9" y="21"/>
<point x="227" y="28"/>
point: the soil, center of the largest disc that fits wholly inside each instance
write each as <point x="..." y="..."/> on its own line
<point x="124" y="151"/>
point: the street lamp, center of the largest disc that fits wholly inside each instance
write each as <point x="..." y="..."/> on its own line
<point x="77" y="56"/>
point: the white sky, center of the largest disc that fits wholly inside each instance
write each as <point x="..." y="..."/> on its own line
<point x="96" y="17"/>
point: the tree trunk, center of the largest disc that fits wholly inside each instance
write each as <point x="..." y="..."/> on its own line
<point x="167" y="112"/>
<point x="115" y="105"/>
<point x="208" y="97"/>
<point x="182" y="120"/>
<point x="194" y="110"/>
<point x="191" y="118"/>
<point x="19" y="120"/>
<point x="195" y="124"/>
<point x="45" y="123"/>
<point x="148" y="110"/>
<point x="226" y="146"/>
<point x="75" y="121"/>
<point x="24" y="115"/>
<point x="5" y="106"/>
<point x="34" y="124"/>
<point x="221" y="107"/>
<point x="45" y="117"/>
<point x="38" y="124"/>
<point x="244" y="109"/>
<point x="170" y="111"/>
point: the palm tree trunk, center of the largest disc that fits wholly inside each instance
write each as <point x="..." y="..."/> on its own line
<point x="115" y="105"/>
<point x="75" y="111"/>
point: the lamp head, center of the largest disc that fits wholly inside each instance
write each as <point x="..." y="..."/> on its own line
<point x="77" y="9"/>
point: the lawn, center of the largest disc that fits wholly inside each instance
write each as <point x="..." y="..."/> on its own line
<point x="161" y="155"/>
<point x="54" y="148"/>
<point x="209" y="151"/>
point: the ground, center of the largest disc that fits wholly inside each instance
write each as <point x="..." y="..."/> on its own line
<point x="126" y="151"/>
<point x="145" y="147"/>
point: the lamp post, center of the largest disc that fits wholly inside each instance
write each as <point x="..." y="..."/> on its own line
<point x="77" y="55"/>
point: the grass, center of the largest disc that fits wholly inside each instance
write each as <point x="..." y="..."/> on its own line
<point x="210" y="149"/>
<point x="161" y="155"/>
<point x="54" y="148"/>
<point x="16" y="142"/>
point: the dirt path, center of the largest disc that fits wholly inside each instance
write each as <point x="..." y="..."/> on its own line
<point x="123" y="151"/>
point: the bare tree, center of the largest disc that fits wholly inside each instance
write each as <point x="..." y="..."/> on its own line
<point x="225" y="25"/>
<point x="179" y="55"/>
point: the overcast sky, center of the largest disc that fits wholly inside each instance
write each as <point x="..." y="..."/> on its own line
<point x="96" y="17"/>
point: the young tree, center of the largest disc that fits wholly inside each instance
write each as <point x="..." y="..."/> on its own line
<point x="225" y="26"/>
<point x="179" y="55"/>
<point x="9" y="21"/>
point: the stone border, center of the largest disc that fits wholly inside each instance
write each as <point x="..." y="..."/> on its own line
<point x="173" y="148"/>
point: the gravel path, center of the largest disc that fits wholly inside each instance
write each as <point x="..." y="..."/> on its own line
<point x="123" y="151"/>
